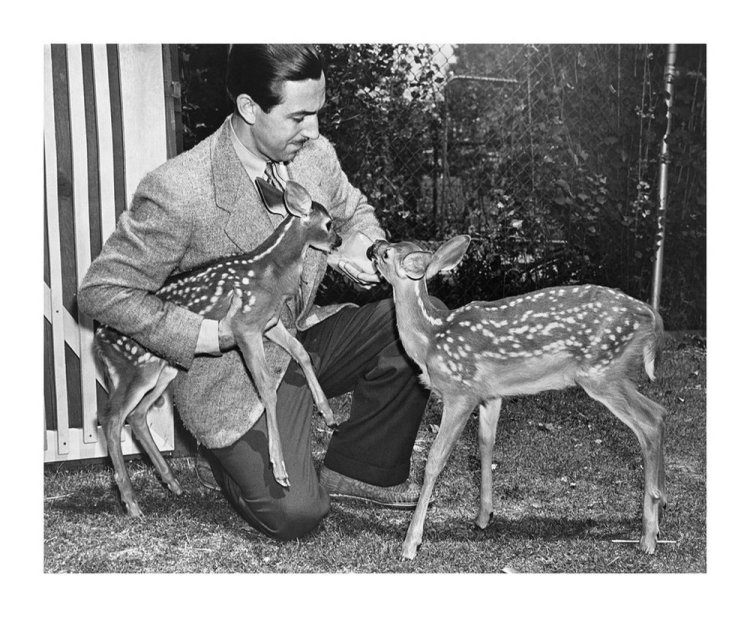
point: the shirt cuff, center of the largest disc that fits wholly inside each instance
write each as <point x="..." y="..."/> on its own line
<point x="208" y="338"/>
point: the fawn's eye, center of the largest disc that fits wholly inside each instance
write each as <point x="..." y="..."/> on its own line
<point x="329" y="224"/>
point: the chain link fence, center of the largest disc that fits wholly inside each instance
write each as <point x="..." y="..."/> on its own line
<point x="547" y="155"/>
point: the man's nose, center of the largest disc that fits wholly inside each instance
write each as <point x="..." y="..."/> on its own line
<point x="310" y="127"/>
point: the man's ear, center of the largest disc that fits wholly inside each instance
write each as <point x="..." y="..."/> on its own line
<point x="247" y="108"/>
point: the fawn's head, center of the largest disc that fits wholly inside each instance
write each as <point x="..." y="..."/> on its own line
<point x="405" y="261"/>
<point x="311" y="217"/>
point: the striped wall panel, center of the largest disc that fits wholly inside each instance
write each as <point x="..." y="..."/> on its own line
<point x="108" y="119"/>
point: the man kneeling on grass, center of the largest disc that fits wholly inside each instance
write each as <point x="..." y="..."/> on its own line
<point x="203" y="205"/>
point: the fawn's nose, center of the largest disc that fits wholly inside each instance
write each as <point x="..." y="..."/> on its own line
<point x="373" y="249"/>
<point x="337" y="240"/>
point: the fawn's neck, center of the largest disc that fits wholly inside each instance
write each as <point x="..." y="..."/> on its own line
<point x="285" y="253"/>
<point x="416" y="317"/>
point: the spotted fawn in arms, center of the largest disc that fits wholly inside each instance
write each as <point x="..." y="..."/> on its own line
<point x="249" y="290"/>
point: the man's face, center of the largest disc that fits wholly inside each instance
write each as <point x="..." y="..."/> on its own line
<point x="281" y="133"/>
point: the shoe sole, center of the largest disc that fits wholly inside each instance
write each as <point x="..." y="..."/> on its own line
<point x="209" y="484"/>
<point x="211" y="487"/>
<point x="374" y="502"/>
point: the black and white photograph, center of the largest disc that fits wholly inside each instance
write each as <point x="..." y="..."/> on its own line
<point x="318" y="303"/>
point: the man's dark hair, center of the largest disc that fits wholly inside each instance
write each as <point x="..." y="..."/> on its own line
<point x="259" y="70"/>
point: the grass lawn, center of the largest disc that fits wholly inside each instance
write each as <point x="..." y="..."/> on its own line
<point x="568" y="481"/>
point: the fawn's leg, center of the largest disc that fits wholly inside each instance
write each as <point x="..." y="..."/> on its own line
<point x="652" y="417"/>
<point x="251" y="346"/>
<point x="646" y="419"/>
<point x="112" y="430"/>
<point x="281" y="336"/>
<point x="456" y="411"/>
<point x="125" y="394"/>
<point x="489" y="413"/>
<point x="138" y="421"/>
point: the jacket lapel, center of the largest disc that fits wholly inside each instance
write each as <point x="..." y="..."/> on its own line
<point x="249" y="221"/>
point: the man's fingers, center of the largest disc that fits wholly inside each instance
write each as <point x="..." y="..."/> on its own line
<point x="369" y="279"/>
<point x="351" y="271"/>
<point x="364" y="279"/>
<point x="348" y="270"/>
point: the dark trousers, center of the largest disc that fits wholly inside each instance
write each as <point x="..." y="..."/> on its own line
<point x="356" y="350"/>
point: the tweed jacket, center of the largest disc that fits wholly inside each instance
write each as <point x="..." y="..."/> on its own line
<point x="196" y="207"/>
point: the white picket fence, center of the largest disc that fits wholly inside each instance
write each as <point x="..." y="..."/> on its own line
<point x="108" y="119"/>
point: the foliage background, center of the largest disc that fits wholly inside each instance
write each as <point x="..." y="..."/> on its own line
<point x="547" y="155"/>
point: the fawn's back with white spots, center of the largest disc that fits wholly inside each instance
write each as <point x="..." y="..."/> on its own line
<point x="551" y="337"/>
<point x="585" y="335"/>
<point x="249" y="291"/>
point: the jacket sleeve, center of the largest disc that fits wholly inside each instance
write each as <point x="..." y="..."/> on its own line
<point x="147" y="246"/>
<point x="348" y="205"/>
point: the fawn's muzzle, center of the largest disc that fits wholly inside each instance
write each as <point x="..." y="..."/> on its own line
<point x="373" y="248"/>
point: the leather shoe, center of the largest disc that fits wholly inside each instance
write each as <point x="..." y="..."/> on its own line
<point x="204" y="472"/>
<point x="402" y="496"/>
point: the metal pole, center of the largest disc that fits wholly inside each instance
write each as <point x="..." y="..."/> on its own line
<point x="661" y="219"/>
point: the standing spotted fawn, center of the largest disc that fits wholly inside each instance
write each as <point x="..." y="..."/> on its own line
<point x="586" y="335"/>
<point x="248" y="291"/>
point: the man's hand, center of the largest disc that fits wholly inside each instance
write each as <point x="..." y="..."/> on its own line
<point x="351" y="260"/>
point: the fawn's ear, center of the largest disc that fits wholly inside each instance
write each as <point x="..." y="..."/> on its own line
<point x="448" y="255"/>
<point x="415" y="264"/>
<point x="297" y="199"/>
<point x="272" y="197"/>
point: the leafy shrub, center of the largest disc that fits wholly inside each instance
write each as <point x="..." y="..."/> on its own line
<point x="552" y="168"/>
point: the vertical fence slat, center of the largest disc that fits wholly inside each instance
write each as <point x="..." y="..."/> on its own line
<point x="143" y="109"/>
<point x="92" y="150"/>
<point x="116" y="106"/>
<point x="172" y="97"/>
<point x="83" y="252"/>
<point x="49" y="366"/>
<point x="56" y="308"/>
<point x="106" y="149"/>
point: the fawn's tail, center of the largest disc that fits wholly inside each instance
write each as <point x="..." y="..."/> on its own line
<point x="654" y="345"/>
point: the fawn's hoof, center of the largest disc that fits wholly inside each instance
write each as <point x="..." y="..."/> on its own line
<point x="409" y="550"/>
<point x="133" y="510"/>
<point x="482" y="521"/>
<point x="174" y="486"/>
<point x="330" y="420"/>
<point x="648" y="544"/>
<point x="281" y="476"/>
